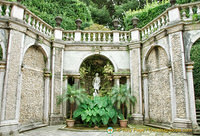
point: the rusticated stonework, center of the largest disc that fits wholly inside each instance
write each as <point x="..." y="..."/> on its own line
<point x="32" y="93"/>
<point x="159" y="87"/>
<point x="178" y="75"/>
<point x="57" y="82"/>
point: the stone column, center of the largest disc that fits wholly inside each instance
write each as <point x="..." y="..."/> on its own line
<point x="146" y="99"/>
<point x="65" y="83"/>
<point x="117" y="80"/>
<point x="46" y="97"/>
<point x="136" y="82"/>
<point x="128" y="88"/>
<point x="77" y="81"/>
<point x="177" y="59"/>
<point x="189" y="68"/>
<point x="77" y="36"/>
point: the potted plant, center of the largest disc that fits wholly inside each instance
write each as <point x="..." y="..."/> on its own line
<point x="74" y="96"/>
<point x="122" y="97"/>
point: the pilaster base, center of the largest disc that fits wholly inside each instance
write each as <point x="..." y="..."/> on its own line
<point x="56" y="119"/>
<point x="182" y="123"/>
<point x="10" y="130"/>
<point x="136" y="119"/>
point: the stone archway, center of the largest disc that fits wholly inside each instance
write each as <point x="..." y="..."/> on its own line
<point x="96" y="64"/>
<point x="158" y="87"/>
<point x="33" y="86"/>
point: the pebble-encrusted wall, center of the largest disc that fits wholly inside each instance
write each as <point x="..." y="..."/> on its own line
<point x="32" y="93"/>
<point x="159" y="86"/>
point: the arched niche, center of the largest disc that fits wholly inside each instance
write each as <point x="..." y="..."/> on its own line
<point x="32" y="100"/>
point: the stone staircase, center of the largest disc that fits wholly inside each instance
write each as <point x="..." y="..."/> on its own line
<point x="198" y="116"/>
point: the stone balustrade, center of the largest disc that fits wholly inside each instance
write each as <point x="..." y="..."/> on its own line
<point x="184" y="12"/>
<point x="37" y="23"/>
<point x="155" y="25"/>
<point x="5" y="9"/>
<point x="188" y="10"/>
<point x="68" y="35"/>
<point x="96" y="36"/>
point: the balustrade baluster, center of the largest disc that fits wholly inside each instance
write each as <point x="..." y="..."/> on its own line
<point x="44" y="29"/>
<point x="109" y="37"/>
<point x="41" y="27"/>
<point x="29" y="19"/>
<point x="149" y="32"/>
<point x="88" y="37"/>
<point x="104" y="37"/>
<point x="121" y="36"/>
<point x="143" y="33"/>
<point x="94" y="37"/>
<point x="198" y="9"/>
<point x="191" y="12"/>
<point x="146" y="31"/>
<point x="37" y="25"/>
<point x="155" y="26"/>
<point x="33" y="23"/>
<point x="7" y="10"/>
<point x="163" y="21"/>
<point x="167" y="18"/>
<point x="151" y="26"/>
<point x="125" y="37"/>
<point x="159" y="25"/>
<point x="99" y="37"/>
<point x="84" y="37"/>
<point x="72" y="37"/>
<point x="1" y="10"/>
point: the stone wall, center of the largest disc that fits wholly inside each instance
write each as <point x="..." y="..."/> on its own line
<point x="32" y="91"/>
<point x="159" y="86"/>
<point x="57" y="78"/>
<point x="178" y="67"/>
<point x="13" y="63"/>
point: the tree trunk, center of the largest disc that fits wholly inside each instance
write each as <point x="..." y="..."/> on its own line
<point x="71" y="107"/>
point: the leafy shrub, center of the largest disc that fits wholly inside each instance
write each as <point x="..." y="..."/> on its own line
<point x="198" y="104"/>
<point x="97" y="27"/>
<point x="97" y="111"/>
<point x="69" y="10"/>
<point x="195" y="56"/>
<point x="145" y="15"/>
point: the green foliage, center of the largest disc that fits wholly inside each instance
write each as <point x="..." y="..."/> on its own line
<point x="185" y="1"/>
<point x="195" y="56"/>
<point x="97" y="27"/>
<point x="91" y="66"/>
<point x="121" y="96"/>
<point x="73" y="95"/>
<point x="198" y="104"/>
<point x="145" y="15"/>
<point x="69" y="10"/>
<point x="97" y="111"/>
<point x="1" y="53"/>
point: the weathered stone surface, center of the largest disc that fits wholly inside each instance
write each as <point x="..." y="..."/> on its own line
<point x="32" y="93"/>
<point x="159" y="86"/>
<point x="13" y="71"/>
<point x="178" y="75"/>
<point x="57" y="82"/>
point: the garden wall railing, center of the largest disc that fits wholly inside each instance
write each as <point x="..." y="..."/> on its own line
<point x="177" y="13"/>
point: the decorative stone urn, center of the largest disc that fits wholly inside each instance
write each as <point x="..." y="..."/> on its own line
<point x="116" y="23"/>
<point x="173" y="2"/>
<point x="70" y="122"/>
<point x="135" y="22"/>
<point x="123" y="123"/>
<point x="58" y="21"/>
<point x="78" y="23"/>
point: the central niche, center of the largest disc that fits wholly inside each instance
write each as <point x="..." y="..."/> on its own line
<point x="96" y="64"/>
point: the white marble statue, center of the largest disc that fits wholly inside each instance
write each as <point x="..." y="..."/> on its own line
<point x="96" y="84"/>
